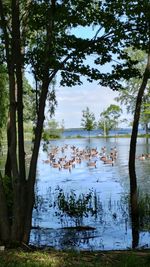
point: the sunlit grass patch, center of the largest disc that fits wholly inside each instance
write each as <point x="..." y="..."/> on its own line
<point x="24" y="259"/>
<point x="52" y="258"/>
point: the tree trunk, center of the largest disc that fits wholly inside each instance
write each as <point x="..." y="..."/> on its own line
<point x="19" y="78"/>
<point x="4" y="221"/>
<point x="8" y="160"/>
<point x="13" y="56"/>
<point x="146" y="128"/>
<point x="40" y="119"/>
<point x="132" y="153"/>
<point x="22" y="189"/>
<point x="146" y="131"/>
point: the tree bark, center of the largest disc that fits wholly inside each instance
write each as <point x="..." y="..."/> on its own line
<point x="146" y="128"/>
<point x="132" y="153"/>
<point x="12" y="99"/>
<point x="4" y="221"/>
<point x="19" y="79"/>
<point x="47" y="78"/>
<point x="20" y="188"/>
<point x="8" y="167"/>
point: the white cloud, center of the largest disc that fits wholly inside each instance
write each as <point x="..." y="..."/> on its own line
<point x="71" y="102"/>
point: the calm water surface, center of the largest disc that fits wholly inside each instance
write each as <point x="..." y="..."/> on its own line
<point x="111" y="225"/>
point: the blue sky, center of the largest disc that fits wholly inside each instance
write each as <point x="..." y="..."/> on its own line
<point x="72" y="100"/>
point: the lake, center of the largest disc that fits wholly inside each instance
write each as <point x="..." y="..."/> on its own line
<point x="97" y="132"/>
<point x="93" y="199"/>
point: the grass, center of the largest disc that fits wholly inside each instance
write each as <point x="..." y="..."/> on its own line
<point x="52" y="258"/>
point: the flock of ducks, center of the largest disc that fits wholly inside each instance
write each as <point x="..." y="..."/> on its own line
<point x="67" y="157"/>
<point x="144" y="156"/>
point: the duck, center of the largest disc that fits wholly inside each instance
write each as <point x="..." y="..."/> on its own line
<point x="47" y="161"/>
<point x="62" y="159"/>
<point x="142" y="157"/>
<point x="57" y="165"/>
<point x="72" y="162"/>
<point x="103" y="158"/>
<point x="67" y="165"/>
<point x="109" y="161"/>
<point x="78" y="160"/>
<point x="92" y="164"/>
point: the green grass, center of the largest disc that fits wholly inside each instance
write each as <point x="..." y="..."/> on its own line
<point x="51" y="258"/>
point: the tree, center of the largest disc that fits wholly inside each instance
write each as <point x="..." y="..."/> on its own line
<point x="88" y="120"/>
<point x="128" y="94"/>
<point x="62" y="126"/>
<point x="40" y="34"/>
<point x="53" y="130"/>
<point x="136" y="23"/>
<point x="3" y="99"/>
<point x="109" y="119"/>
<point x="29" y="102"/>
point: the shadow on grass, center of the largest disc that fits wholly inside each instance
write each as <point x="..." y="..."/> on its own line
<point x="51" y="258"/>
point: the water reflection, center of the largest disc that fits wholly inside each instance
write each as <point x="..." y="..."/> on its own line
<point x="98" y="220"/>
<point x="80" y="225"/>
<point x="112" y="226"/>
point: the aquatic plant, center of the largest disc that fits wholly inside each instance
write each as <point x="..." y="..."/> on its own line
<point x="144" y="211"/>
<point x="74" y="206"/>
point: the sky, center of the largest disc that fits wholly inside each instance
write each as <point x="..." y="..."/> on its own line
<point x="71" y="102"/>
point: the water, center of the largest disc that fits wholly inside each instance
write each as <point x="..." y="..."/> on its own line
<point x="93" y="133"/>
<point x="111" y="225"/>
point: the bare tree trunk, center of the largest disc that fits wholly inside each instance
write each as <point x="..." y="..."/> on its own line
<point x="20" y="185"/>
<point x="8" y="160"/>
<point x="23" y="190"/>
<point x="132" y="153"/>
<point x="12" y="98"/>
<point x="146" y="128"/>
<point x="19" y="78"/>
<point x="39" y="126"/>
<point x="4" y="221"/>
<point x="33" y="163"/>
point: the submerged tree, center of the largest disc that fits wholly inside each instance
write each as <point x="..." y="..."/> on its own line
<point x="88" y="120"/>
<point x="53" y="130"/>
<point x="109" y="119"/>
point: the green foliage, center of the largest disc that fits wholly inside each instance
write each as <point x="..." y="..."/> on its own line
<point x="75" y="206"/>
<point x="128" y="94"/>
<point x="88" y="120"/>
<point x="144" y="211"/>
<point x="68" y="52"/>
<point x="109" y="118"/>
<point x="105" y="125"/>
<point x="50" y="45"/>
<point x="53" y="130"/>
<point x="29" y="100"/>
<point x="3" y="98"/>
